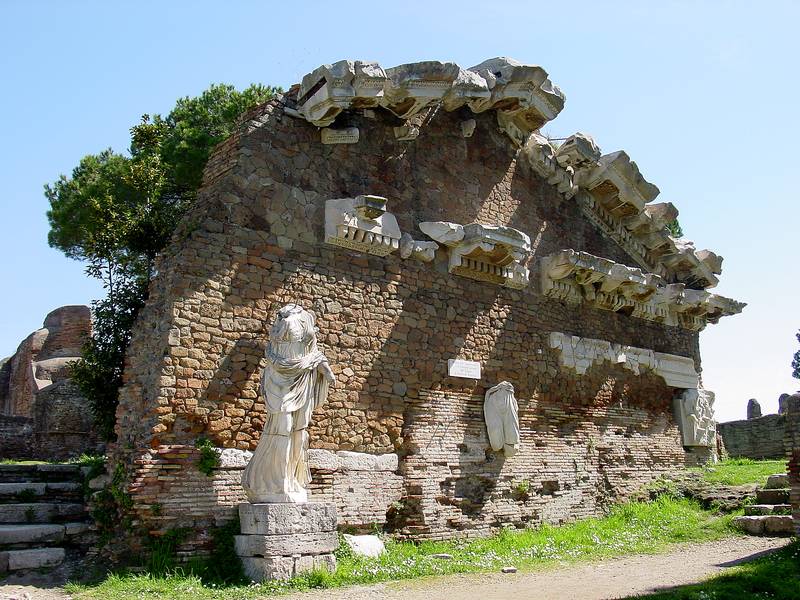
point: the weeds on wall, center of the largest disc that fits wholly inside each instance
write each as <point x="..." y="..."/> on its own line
<point x="209" y="456"/>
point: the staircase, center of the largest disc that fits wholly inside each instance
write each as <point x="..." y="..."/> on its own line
<point x="772" y="513"/>
<point x="43" y="518"/>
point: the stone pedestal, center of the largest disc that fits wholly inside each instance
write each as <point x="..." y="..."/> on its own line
<point x="281" y="540"/>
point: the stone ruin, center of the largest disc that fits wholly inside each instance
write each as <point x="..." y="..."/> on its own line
<point x="42" y="413"/>
<point x="758" y="436"/>
<point x="462" y="270"/>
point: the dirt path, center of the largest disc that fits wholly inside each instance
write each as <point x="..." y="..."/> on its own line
<point x="614" y="578"/>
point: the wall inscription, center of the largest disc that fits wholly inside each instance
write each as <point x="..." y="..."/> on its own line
<point x="466" y="369"/>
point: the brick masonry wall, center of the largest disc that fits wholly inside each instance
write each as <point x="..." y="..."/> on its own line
<point x="16" y="437"/>
<point x="63" y="423"/>
<point x="792" y="444"/>
<point x="254" y="241"/>
<point x="169" y="492"/>
<point x="754" y="438"/>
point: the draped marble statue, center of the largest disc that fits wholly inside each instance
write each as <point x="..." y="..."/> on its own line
<point x="294" y="382"/>
<point x="502" y="421"/>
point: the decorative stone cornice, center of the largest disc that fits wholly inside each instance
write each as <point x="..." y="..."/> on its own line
<point x="580" y="277"/>
<point x="522" y="95"/>
<point x="610" y="189"/>
<point x="492" y="253"/>
<point x="580" y="354"/>
<point x="362" y="224"/>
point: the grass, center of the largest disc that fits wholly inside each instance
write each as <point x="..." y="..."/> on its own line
<point x="629" y="528"/>
<point x="773" y="577"/>
<point x="739" y="471"/>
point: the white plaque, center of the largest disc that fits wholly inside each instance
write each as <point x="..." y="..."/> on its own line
<point x="467" y="369"/>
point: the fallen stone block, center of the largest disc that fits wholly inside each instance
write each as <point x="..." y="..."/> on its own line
<point x="370" y="546"/>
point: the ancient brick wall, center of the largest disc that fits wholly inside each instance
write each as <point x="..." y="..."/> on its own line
<point x="16" y="437"/>
<point x="254" y="241"/>
<point x="761" y="437"/>
<point x="63" y="423"/>
<point x="792" y="446"/>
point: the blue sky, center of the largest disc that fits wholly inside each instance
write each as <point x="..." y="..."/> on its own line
<point x="702" y="95"/>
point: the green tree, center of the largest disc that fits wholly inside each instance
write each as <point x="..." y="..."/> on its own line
<point x="117" y="212"/>
<point x="796" y="362"/>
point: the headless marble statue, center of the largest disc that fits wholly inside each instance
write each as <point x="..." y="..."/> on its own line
<point x="294" y="382"/>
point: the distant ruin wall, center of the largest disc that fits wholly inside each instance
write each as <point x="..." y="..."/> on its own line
<point x="792" y="443"/>
<point x="761" y="437"/>
<point x="16" y="437"/>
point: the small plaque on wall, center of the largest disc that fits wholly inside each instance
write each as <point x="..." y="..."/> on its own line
<point x="466" y="369"/>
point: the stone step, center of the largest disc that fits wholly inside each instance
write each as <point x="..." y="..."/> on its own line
<point x="766" y="524"/>
<point x="777" y="481"/>
<point x="36" y="558"/>
<point x="27" y="535"/>
<point x="30" y="534"/>
<point x="768" y="509"/>
<point x="41" y="512"/>
<point x="12" y="473"/>
<point x="779" y="496"/>
<point x="40" y="491"/>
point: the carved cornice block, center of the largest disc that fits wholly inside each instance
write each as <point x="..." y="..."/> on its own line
<point x="362" y="224"/>
<point x="617" y="183"/>
<point x="581" y="354"/>
<point x="330" y="89"/>
<point x="582" y="277"/>
<point x="492" y="253"/>
<point x="415" y="86"/>
<point x="524" y="92"/>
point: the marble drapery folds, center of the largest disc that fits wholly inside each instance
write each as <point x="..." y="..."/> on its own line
<point x="502" y="421"/>
<point x="294" y="382"/>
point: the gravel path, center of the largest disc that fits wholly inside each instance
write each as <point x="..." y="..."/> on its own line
<point x="605" y="580"/>
<point x="613" y="578"/>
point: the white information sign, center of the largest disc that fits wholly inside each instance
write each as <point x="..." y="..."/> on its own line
<point x="467" y="369"/>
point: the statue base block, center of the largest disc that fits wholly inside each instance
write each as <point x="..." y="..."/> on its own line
<point x="281" y="540"/>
